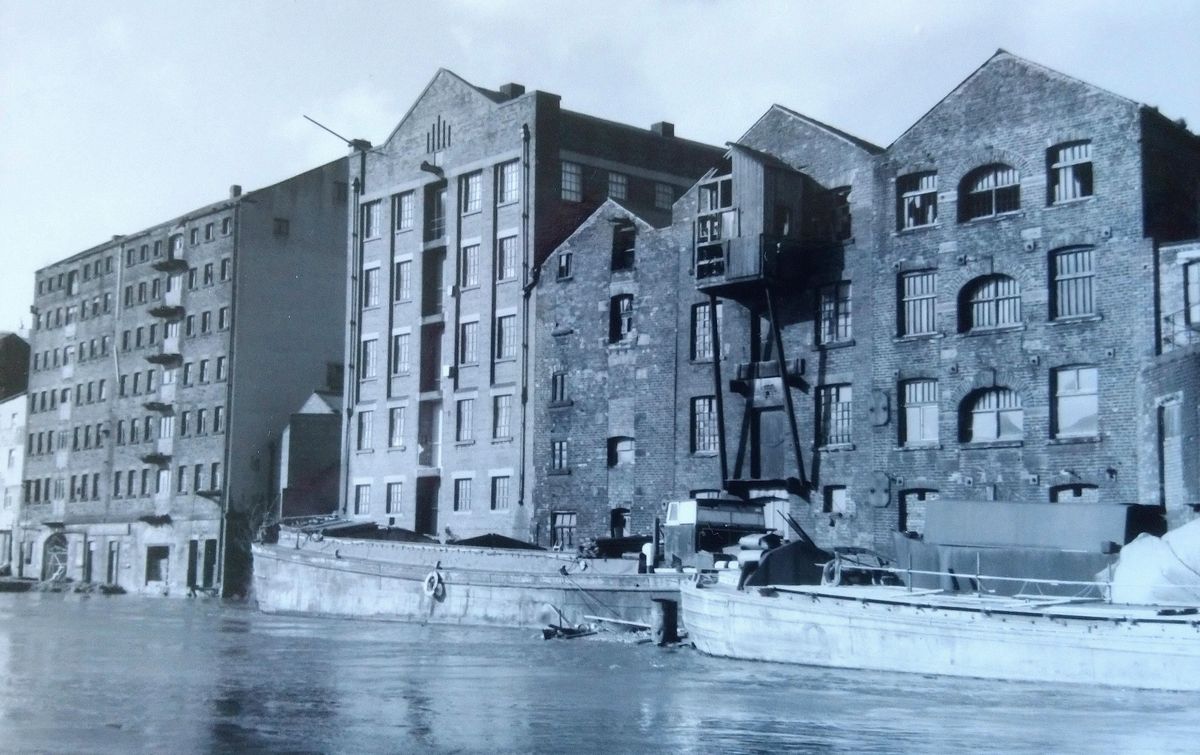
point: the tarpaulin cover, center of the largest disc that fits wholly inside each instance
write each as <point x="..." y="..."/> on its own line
<point x="1153" y="570"/>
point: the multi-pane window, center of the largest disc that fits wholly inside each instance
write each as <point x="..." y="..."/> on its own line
<point x="506" y="337"/>
<point x="500" y="496"/>
<point x="396" y="426"/>
<point x="364" y="430"/>
<point x="506" y="258"/>
<point x="993" y="301"/>
<point x="833" y="415"/>
<point x="400" y="360"/>
<point x="468" y="343"/>
<point x="918" y="412"/>
<point x="990" y="190"/>
<point x="472" y="192"/>
<point x="395" y="492"/>
<point x="918" y="303"/>
<point x="993" y="414"/>
<point x="1191" y="293"/>
<point x="572" y="182"/>
<point x="368" y="365"/>
<point x="705" y="438"/>
<point x="402" y="210"/>
<point x="502" y="416"/>
<point x="1076" y="402"/>
<point x="464" y="427"/>
<point x="470" y="266"/>
<point x="370" y="287"/>
<point x="834" y="302"/>
<point x="402" y="285"/>
<point x="558" y="455"/>
<point x="620" y="318"/>
<point x="916" y="200"/>
<point x="664" y="196"/>
<point x="1073" y="279"/>
<point x="362" y="499"/>
<point x="564" y="265"/>
<point x="618" y="185"/>
<point x="558" y="388"/>
<point x="1070" y="171"/>
<point x="370" y="220"/>
<point x="435" y="213"/>
<point x="508" y="182"/>
<point x="562" y="529"/>
<point x="462" y="494"/>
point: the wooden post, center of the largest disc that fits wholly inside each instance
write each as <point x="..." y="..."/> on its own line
<point x="665" y="624"/>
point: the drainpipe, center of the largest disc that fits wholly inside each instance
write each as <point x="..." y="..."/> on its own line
<point x="527" y="291"/>
<point x="352" y="341"/>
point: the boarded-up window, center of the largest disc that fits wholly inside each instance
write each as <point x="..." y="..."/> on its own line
<point x="1070" y="171"/>
<point x="1073" y="277"/>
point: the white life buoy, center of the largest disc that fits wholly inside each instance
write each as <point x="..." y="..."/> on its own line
<point x="433" y="583"/>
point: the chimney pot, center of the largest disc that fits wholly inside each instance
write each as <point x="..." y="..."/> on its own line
<point x="511" y="91"/>
<point x="235" y="191"/>
<point x="664" y="128"/>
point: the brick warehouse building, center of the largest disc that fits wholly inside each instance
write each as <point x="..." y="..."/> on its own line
<point x="1001" y="305"/>
<point x="164" y="365"/>
<point x="457" y="209"/>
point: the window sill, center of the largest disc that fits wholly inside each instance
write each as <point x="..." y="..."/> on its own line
<point x="362" y="451"/>
<point x="509" y="279"/>
<point x="1071" y="202"/>
<point x="993" y="331"/>
<point x="503" y="440"/>
<point x="561" y="404"/>
<point x="468" y="287"/>
<point x="407" y="300"/>
<point x="562" y="331"/>
<point x="392" y="449"/>
<point x="998" y="216"/>
<point x="836" y="344"/>
<point x="504" y="360"/>
<point x="834" y="447"/>
<point x="704" y="454"/>
<point x="988" y="444"/>
<point x="507" y="203"/>
<point x="469" y="213"/>
<point x="915" y="229"/>
<point x="564" y="278"/>
<point x="403" y="230"/>
<point x="1076" y="440"/>
<point x="464" y="443"/>
<point x="558" y="472"/>
<point x="1062" y="321"/>
<point x="917" y="337"/>
<point x="919" y="447"/>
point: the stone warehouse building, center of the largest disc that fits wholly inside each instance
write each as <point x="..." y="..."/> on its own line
<point x="164" y="365"/>
<point x="457" y="209"/>
<point x="1003" y="304"/>
<point x="14" y="376"/>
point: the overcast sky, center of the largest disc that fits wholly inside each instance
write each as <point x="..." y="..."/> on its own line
<point x="118" y="115"/>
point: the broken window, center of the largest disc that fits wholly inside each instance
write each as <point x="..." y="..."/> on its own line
<point x="705" y="438"/>
<point x="916" y="200"/>
<point x="988" y="191"/>
<point x="1070" y="171"/>
<point x="620" y="318"/>
<point x="620" y="451"/>
<point x="623" y="247"/>
<point x="702" y="333"/>
<point x="562" y="529"/>
<point x="833" y="418"/>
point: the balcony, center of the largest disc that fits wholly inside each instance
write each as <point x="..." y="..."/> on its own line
<point x="723" y="263"/>
<point x="171" y="307"/>
<point x="170" y="265"/>
<point x="163" y="449"/>
<point x="1181" y="330"/>
<point x="155" y="405"/>
<point x="168" y="354"/>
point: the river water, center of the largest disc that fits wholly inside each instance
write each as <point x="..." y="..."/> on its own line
<point x="127" y="674"/>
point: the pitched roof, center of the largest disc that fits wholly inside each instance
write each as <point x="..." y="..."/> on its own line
<point x="488" y="94"/>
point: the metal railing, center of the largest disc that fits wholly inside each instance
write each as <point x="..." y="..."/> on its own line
<point x="1181" y="329"/>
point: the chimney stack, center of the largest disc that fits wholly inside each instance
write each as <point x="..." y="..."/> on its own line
<point x="235" y="191"/>
<point x="664" y="128"/>
<point x="511" y="91"/>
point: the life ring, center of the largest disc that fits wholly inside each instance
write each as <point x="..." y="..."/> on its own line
<point x="831" y="574"/>
<point x="432" y="584"/>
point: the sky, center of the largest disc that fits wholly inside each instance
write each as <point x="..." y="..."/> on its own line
<point x="117" y="115"/>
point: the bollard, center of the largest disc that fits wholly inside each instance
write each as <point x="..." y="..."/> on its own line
<point x="666" y="621"/>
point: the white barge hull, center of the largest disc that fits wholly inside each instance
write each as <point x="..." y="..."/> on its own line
<point x="890" y="629"/>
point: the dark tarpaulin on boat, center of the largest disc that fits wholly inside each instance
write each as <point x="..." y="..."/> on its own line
<point x="493" y="540"/>
<point x="797" y="563"/>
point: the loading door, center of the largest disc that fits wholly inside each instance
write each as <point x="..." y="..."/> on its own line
<point x="768" y="459"/>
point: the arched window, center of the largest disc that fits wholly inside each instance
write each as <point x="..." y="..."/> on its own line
<point x="987" y="191"/>
<point x="993" y="301"/>
<point x="992" y="414"/>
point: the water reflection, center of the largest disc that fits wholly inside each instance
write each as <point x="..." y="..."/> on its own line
<point x="133" y="675"/>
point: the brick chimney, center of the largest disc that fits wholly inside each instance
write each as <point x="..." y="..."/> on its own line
<point x="511" y="91"/>
<point x="664" y="128"/>
<point x="235" y="191"/>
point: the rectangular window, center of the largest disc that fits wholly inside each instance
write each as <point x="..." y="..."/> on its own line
<point x="702" y="335"/>
<point x="472" y="192"/>
<point x="220" y="369"/>
<point x="834" y="313"/>
<point x="206" y="322"/>
<point x="362" y="500"/>
<point x="367" y="361"/>
<point x="462" y="494"/>
<point x="919" y="412"/>
<point x="705" y="438"/>
<point x="562" y="530"/>
<point x="402" y="285"/>
<point x="370" y="220"/>
<point x="470" y="266"/>
<point x="664" y="196"/>
<point x="395" y="492"/>
<point x="558" y="388"/>
<point x="468" y="343"/>
<point x="226" y="269"/>
<point x="1070" y="172"/>
<point x="916" y="200"/>
<point x="564" y="265"/>
<point x="370" y="287"/>
<point x="620" y="318"/>
<point x="618" y="185"/>
<point x="396" y="426"/>
<point x="506" y="337"/>
<point x="203" y="371"/>
<point x="400" y="361"/>
<point x="500" y="486"/>
<point x="226" y="226"/>
<point x="572" y="182"/>
<point x="364" y="430"/>
<point x="223" y="318"/>
<point x="502" y="416"/>
<point x="833" y="419"/>
<point x="1076" y="402"/>
<point x="1073" y="278"/>
<point x="508" y="182"/>
<point x="402" y="209"/>
<point x="281" y="227"/>
<point x="464" y="427"/>
<point x="194" y="236"/>
<point x="918" y="303"/>
<point x="201" y="422"/>
<point x="218" y="419"/>
<point x="558" y="455"/>
<point x="435" y="213"/>
<point x="506" y="258"/>
<point x="208" y="274"/>
<point x="1191" y="293"/>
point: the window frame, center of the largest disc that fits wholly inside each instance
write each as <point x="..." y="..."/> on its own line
<point x="918" y="303"/>
<point x="1087" y="396"/>
<point x="1070" y="287"/>
<point x="835" y="415"/>
<point x="983" y="183"/>
<point x="571" y="181"/>
<point x="995" y="403"/>
<point x="919" y="401"/>
<point x="916" y="196"/>
<point x="1067" y="165"/>
<point x="834" y="313"/>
